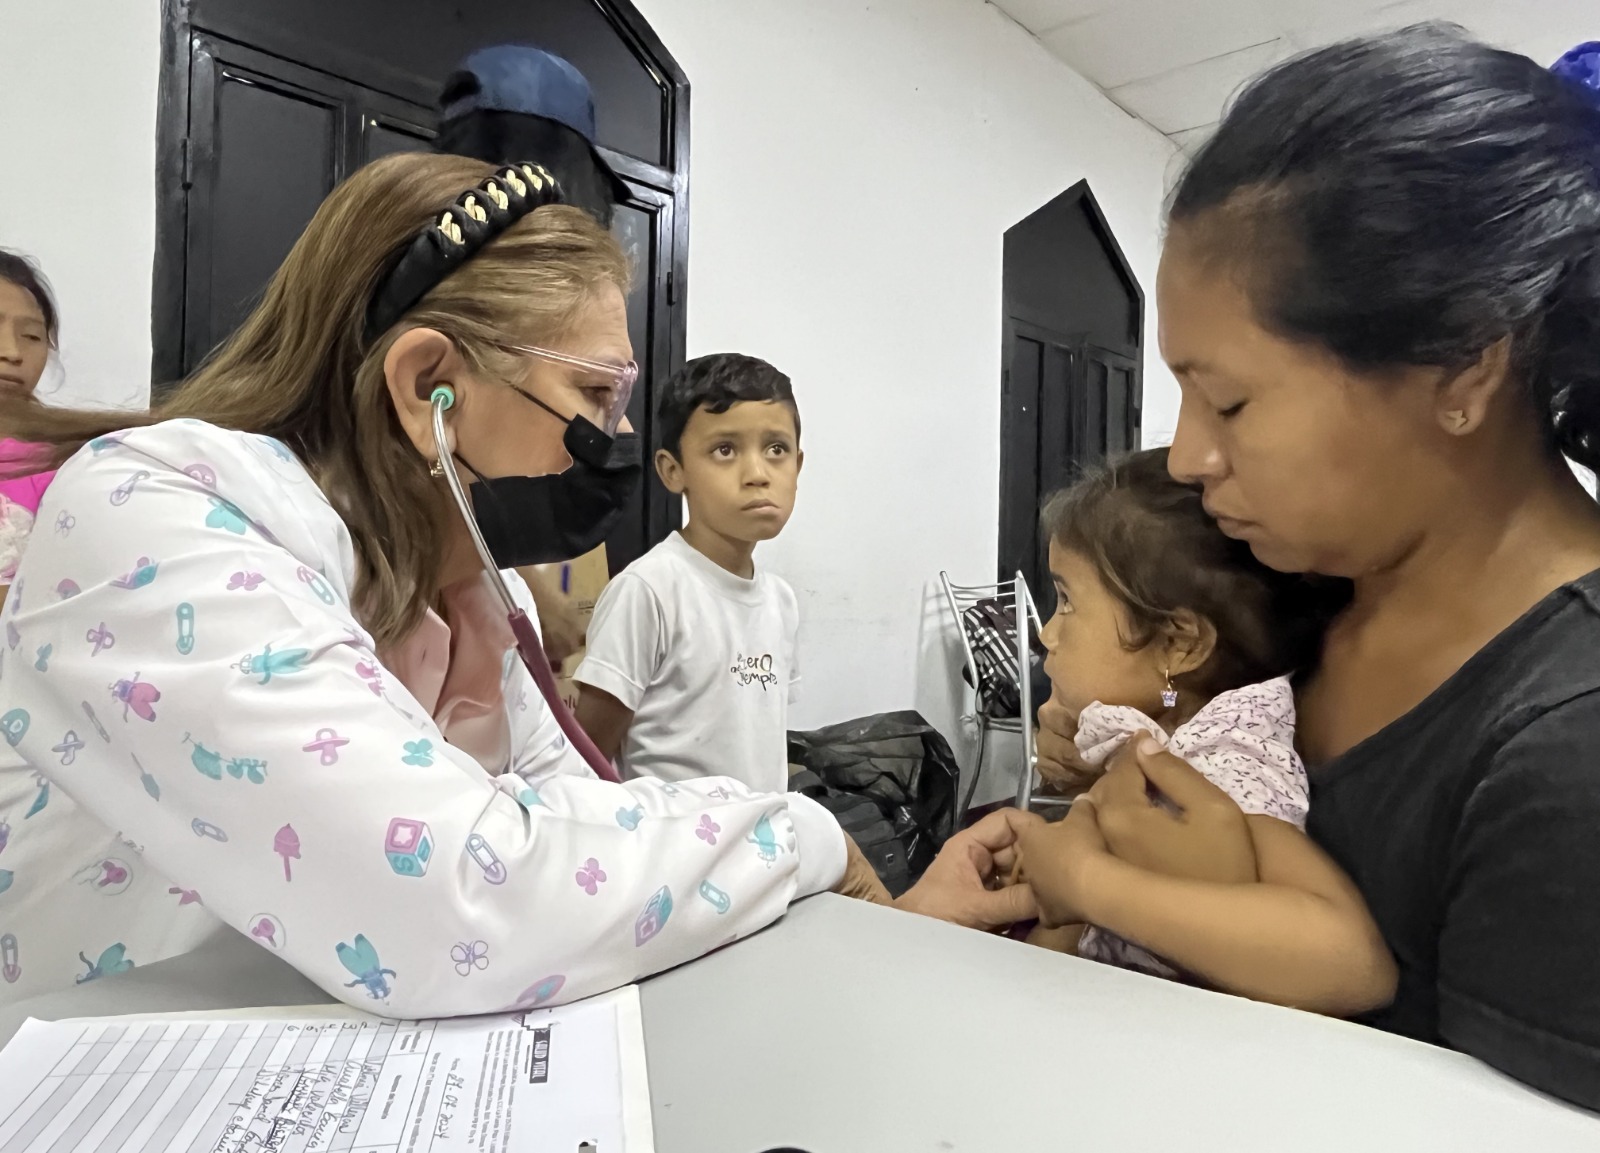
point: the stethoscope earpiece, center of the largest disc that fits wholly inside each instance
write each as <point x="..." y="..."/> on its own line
<point x="443" y="394"/>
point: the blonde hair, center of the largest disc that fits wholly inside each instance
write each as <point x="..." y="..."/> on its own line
<point x="299" y="370"/>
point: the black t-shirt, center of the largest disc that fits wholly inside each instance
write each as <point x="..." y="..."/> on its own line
<point x="1472" y="826"/>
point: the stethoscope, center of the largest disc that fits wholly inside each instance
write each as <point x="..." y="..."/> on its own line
<point x="529" y="647"/>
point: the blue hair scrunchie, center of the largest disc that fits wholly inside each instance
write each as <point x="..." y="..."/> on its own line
<point x="1582" y="67"/>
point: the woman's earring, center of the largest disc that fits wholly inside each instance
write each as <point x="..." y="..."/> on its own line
<point x="1169" y="695"/>
<point x="436" y="469"/>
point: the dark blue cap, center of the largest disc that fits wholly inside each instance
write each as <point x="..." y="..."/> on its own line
<point x="1582" y="66"/>
<point x="520" y="78"/>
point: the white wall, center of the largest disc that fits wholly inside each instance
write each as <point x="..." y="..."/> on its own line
<point x="854" y="167"/>
<point x="77" y="181"/>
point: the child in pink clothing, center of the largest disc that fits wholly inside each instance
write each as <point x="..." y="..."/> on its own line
<point x="19" y="504"/>
<point x="29" y="328"/>
<point x="1165" y="626"/>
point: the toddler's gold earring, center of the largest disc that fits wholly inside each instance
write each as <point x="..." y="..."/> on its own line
<point x="1169" y="695"/>
<point x="1458" y="420"/>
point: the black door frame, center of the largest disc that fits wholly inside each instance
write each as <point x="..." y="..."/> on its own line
<point x="173" y="165"/>
<point x="1079" y="349"/>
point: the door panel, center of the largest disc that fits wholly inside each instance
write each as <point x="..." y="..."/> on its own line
<point x="248" y="204"/>
<point x="644" y="227"/>
<point x="269" y="140"/>
<point x="1066" y="405"/>
<point x="269" y="127"/>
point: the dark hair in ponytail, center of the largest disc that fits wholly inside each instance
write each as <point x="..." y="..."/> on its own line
<point x="19" y="270"/>
<point x="1413" y="198"/>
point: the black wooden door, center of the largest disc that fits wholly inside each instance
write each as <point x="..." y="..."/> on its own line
<point x="261" y="116"/>
<point x="1067" y="404"/>
<point x="1070" y="382"/>
<point x="268" y="140"/>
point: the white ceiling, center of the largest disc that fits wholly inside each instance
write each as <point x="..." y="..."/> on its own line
<point x="1174" y="63"/>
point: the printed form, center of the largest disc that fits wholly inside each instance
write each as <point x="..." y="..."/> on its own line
<point x="564" y="1080"/>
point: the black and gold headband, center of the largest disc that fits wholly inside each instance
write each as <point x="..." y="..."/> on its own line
<point x="476" y="217"/>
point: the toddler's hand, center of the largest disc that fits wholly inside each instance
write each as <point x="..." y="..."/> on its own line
<point x="1058" y="861"/>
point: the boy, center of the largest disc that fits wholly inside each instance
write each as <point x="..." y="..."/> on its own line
<point x="691" y="661"/>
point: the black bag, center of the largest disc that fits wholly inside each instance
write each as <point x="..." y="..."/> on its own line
<point x="891" y="780"/>
<point x="991" y="628"/>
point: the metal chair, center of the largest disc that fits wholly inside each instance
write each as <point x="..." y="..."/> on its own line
<point x="1014" y="594"/>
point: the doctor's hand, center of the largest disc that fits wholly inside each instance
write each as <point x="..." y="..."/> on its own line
<point x="860" y="878"/>
<point x="968" y="882"/>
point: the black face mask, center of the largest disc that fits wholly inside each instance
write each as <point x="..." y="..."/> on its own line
<point x="529" y="520"/>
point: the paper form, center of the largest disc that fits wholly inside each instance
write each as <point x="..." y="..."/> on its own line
<point x="547" y="1081"/>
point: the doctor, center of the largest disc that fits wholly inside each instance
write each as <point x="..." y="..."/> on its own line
<point x="255" y="669"/>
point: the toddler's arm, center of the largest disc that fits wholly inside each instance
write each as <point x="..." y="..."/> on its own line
<point x="1300" y="935"/>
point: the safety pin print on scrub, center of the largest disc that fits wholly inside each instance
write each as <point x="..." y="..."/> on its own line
<point x="124" y="491"/>
<point x="10" y="959"/>
<point x="208" y="830"/>
<point x="185" y="613"/>
<point x="715" y="897"/>
<point x="484" y="856"/>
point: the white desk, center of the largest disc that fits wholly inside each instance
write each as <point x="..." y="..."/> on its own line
<point x="848" y="1028"/>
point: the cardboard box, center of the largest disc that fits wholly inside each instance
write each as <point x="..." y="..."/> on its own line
<point x="583" y="580"/>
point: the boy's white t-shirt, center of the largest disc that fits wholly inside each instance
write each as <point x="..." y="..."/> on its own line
<point x="706" y="661"/>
